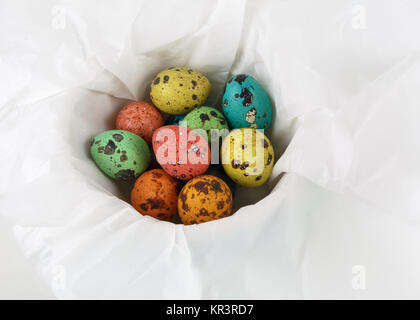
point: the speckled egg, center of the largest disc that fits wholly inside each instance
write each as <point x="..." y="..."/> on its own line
<point x="181" y="152"/>
<point x="179" y="90"/>
<point x="247" y="157"/>
<point x="174" y="119"/>
<point x="203" y="199"/>
<point x="120" y="154"/>
<point x="141" y="118"/>
<point x="217" y="171"/>
<point x="155" y="193"/>
<point x="246" y="103"/>
<point x="206" y="118"/>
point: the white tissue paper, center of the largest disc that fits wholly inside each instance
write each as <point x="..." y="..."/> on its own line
<point x="338" y="219"/>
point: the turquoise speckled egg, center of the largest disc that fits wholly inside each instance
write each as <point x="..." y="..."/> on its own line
<point x="246" y="103"/>
<point x="120" y="154"/>
<point x="174" y="119"/>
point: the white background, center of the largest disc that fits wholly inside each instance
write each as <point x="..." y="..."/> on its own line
<point x="18" y="277"/>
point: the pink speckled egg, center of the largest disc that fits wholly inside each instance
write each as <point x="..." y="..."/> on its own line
<point x="141" y="118"/>
<point x="181" y="152"/>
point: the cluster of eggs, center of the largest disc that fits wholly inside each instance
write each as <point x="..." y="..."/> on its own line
<point x="183" y="182"/>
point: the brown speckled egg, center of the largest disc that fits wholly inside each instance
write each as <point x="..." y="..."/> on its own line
<point x="155" y="193"/>
<point x="141" y="118"/>
<point x="181" y="152"/>
<point x="203" y="199"/>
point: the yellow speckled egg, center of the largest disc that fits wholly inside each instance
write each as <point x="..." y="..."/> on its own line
<point x="247" y="157"/>
<point x="178" y="90"/>
<point x="204" y="198"/>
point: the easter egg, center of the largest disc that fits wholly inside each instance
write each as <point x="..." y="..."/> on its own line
<point x="246" y="103"/>
<point x="179" y="90"/>
<point x="175" y="119"/>
<point x="247" y="157"/>
<point x="203" y="199"/>
<point x="141" y="118"/>
<point x="155" y="193"/>
<point x="206" y="118"/>
<point x="122" y="155"/>
<point x="181" y="152"/>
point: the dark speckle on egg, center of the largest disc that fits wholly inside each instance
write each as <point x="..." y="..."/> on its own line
<point x="235" y="164"/>
<point x="240" y="78"/>
<point x="204" y="117"/>
<point x="157" y="80"/>
<point x="118" y="137"/>
<point x="165" y="79"/>
<point x="155" y="203"/>
<point x="110" y="147"/>
<point x="264" y="143"/>
<point x="125" y="175"/>
<point x="270" y="157"/>
<point x="183" y="199"/>
<point x="244" y="165"/>
<point x="247" y="97"/>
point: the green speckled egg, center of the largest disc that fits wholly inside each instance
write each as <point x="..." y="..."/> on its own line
<point x="206" y="118"/>
<point x="120" y="154"/>
<point x="179" y="90"/>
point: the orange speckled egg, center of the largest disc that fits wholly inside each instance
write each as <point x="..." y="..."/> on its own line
<point x="141" y="118"/>
<point x="204" y="198"/>
<point x="155" y="193"/>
